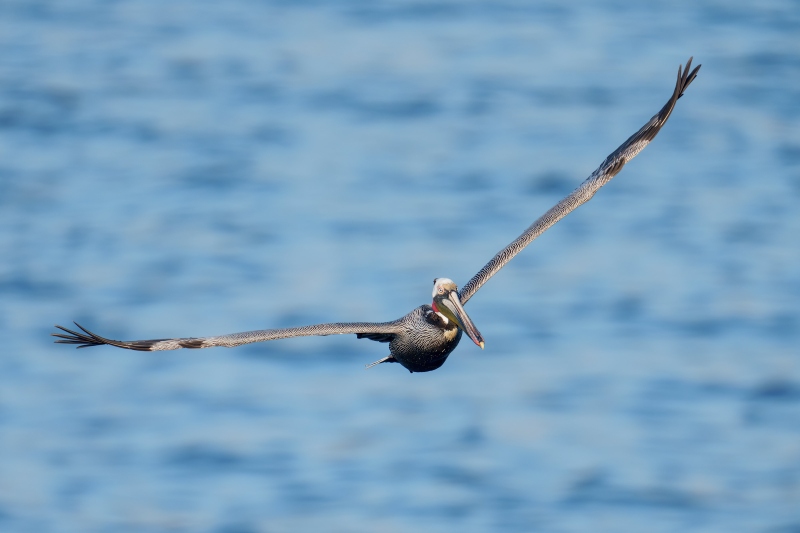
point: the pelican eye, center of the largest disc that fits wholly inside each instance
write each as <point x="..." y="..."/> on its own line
<point x="440" y="290"/>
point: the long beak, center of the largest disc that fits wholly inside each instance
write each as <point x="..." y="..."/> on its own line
<point x="453" y="304"/>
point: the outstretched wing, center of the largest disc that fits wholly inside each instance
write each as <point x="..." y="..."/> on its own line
<point x="607" y="170"/>
<point x="381" y="331"/>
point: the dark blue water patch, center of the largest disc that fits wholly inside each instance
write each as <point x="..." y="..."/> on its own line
<point x="261" y="93"/>
<point x="776" y="391"/>
<point x="161" y="268"/>
<point x="297" y="318"/>
<point x="72" y="491"/>
<point x="555" y="401"/>
<point x="591" y="96"/>
<point x="268" y="135"/>
<point x="716" y="389"/>
<point x="552" y="183"/>
<point x="507" y="502"/>
<point x="629" y="309"/>
<point x="666" y="226"/>
<point x="666" y="400"/>
<point x="187" y="70"/>
<point x="8" y="177"/>
<point x="789" y="154"/>
<point x="204" y="404"/>
<point x="203" y="458"/>
<point x="135" y="130"/>
<point x="596" y="488"/>
<point x="528" y="324"/>
<point x="97" y="426"/>
<point x="794" y="182"/>
<point x="239" y="235"/>
<point x="50" y="99"/>
<point x="45" y="116"/>
<point x="153" y="283"/>
<point x="274" y="463"/>
<point x="511" y="511"/>
<point x="374" y="13"/>
<point x="470" y="436"/>
<point x="77" y="237"/>
<point x="485" y="94"/>
<point x="481" y="101"/>
<point x="351" y="473"/>
<point x="570" y="396"/>
<point x="210" y="146"/>
<point x="400" y="108"/>
<point x="349" y="352"/>
<point x="238" y="527"/>
<point x="473" y="182"/>
<point x="217" y="177"/>
<point x="688" y="391"/>
<point x="31" y="193"/>
<point x="712" y="15"/>
<point x="782" y="325"/>
<point x="772" y="63"/>
<point x="457" y="475"/>
<point x="413" y="108"/>
<point x="779" y="325"/>
<point x="454" y="513"/>
<point x="785" y="528"/>
<point x="768" y="98"/>
<point x="23" y="285"/>
<point x="247" y="271"/>
<point x="268" y="353"/>
<point x="303" y="496"/>
<point x="398" y="402"/>
<point x="371" y="13"/>
<point x="748" y="232"/>
<point x="354" y="229"/>
<point x="76" y="14"/>
<point x="709" y="327"/>
<point x="782" y="414"/>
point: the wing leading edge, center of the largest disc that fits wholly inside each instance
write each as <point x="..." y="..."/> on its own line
<point x="607" y="170"/>
<point x="379" y="331"/>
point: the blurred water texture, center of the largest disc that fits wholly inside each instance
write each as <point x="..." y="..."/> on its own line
<point x="199" y="168"/>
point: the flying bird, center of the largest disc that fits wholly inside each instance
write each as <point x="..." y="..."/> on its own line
<point x="422" y="340"/>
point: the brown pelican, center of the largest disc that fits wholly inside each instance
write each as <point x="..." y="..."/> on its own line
<point x="423" y="339"/>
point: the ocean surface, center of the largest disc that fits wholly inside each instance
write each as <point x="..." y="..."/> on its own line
<point x="196" y="168"/>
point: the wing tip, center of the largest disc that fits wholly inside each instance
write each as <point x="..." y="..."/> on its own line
<point x="686" y="76"/>
<point x="84" y="340"/>
<point x="87" y="339"/>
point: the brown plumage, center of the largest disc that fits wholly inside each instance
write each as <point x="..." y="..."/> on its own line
<point x="423" y="339"/>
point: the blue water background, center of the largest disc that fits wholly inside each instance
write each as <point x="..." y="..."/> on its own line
<point x="198" y="168"/>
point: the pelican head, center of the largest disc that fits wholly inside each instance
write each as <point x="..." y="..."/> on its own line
<point x="447" y="303"/>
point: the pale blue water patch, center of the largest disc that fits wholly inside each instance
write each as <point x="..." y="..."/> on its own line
<point x="196" y="168"/>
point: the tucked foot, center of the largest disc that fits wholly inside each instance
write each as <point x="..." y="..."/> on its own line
<point x="387" y="359"/>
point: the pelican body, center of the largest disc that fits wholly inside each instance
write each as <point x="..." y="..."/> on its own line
<point x="424" y="343"/>
<point x="422" y="340"/>
<point x="429" y="333"/>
